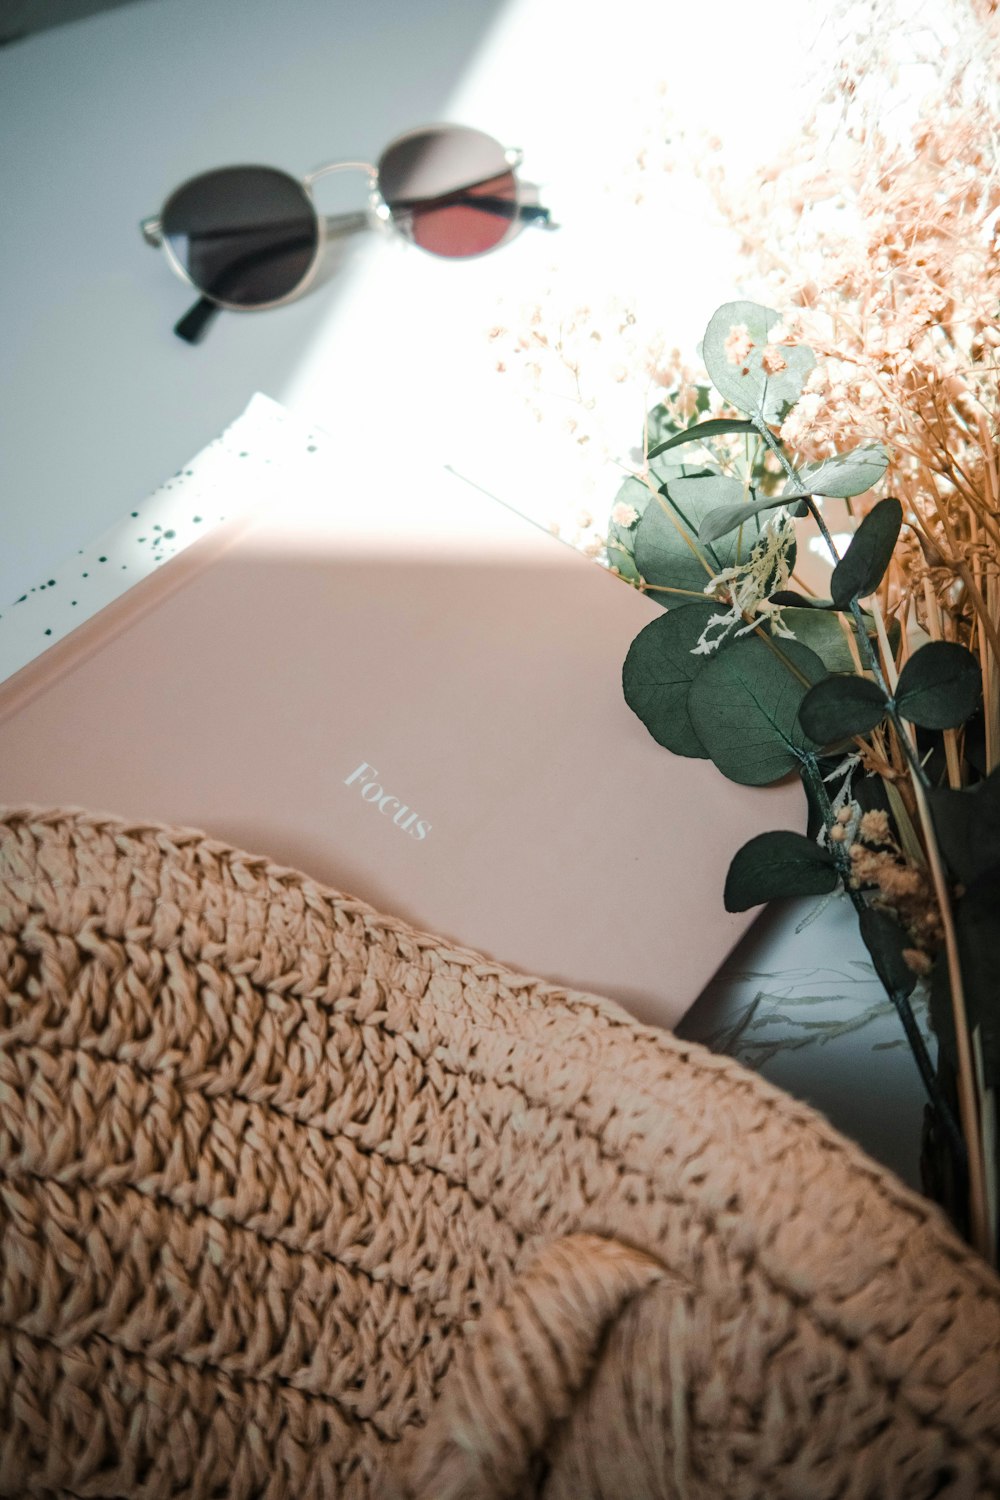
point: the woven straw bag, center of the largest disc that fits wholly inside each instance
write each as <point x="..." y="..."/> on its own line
<point x="298" y="1202"/>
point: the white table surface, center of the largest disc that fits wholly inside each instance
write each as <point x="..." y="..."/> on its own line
<point x="99" y="402"/>
<point x="99" y="119"/>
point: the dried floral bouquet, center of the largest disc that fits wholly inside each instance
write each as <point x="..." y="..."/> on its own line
<point x="873" y="406"/>
<point x="878" y="234"/>
<point x="882" y="697"/>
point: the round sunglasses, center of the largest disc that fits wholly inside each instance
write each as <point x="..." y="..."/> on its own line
<point x="250" y="238"/>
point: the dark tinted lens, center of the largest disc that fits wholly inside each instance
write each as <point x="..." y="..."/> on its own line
<point x="451" y="189"/>
<point x="244" y="235"/>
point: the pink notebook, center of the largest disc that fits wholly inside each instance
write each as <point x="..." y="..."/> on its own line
<point x="414" y="695"/>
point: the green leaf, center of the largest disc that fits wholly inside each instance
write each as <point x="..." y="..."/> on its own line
<point x="843" y="475"/>
<point x="778" y="864"/>
<point x="635" y="492"/>
<point x="863" y="565"/>
<point x="658" y="672"/>
<point x="745" y="385"/>
<point x="664" y="470"/>
<point x="727" y="517"/>
<point x="716" y="427"/>
<point x="744" y="705"/>
<point x="967" y="824"/>
<point x="668" y="551"/>
<point x="940" y="686"/>
<point x="885" y="941"/>
<point x="840" y="706"/>
<point x="823" y="632"/>
<point x="662" y="421"/>
<point x="789" y="598"/>
<point x="621" y="539"/>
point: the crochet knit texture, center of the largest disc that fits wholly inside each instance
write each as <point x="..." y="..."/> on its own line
<point x="298" y="1202"/>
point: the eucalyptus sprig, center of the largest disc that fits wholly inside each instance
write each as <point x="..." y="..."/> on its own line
<point x="741" y="669"/>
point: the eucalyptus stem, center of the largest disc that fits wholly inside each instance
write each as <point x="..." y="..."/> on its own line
<point x="966" y="1142"/>
<point x="864" y="644"/>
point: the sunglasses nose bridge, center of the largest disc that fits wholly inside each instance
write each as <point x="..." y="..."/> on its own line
<point x="328" y="168"/>
<point x="370" y="170"/>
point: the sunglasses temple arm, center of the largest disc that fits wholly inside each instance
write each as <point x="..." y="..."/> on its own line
<point x="196" y="321"/>
<point x="504" y="208"/>
<point x="534" y="213"/>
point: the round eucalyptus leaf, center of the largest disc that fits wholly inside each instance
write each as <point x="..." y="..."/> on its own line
<point x="744" y="705"/>
<point x="728" y="517"/>
<point x="843" y="475"/>
<point x="822" y="630"/>
<point x="661" y="421"/>
<point x="620" y="557"/>
<point x="863" y="565"/>
<point x="940" y="686"/>
<point x="636" y="493"/>
<point x="746" y="384"/>
<point x="840" y="706"/>
<point x="778" y="864"/>
<point x="668" y="551"/>
<point x="665" y="470"/>
<point x="658" y="672"/>
<point x="621" y="539"/>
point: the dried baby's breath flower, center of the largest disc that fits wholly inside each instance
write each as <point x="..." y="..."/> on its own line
<point x="880" y="227"/>
<point x="896" y="884"/>
<point x="738" y="344"/>
<point x="873" y="827"/>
